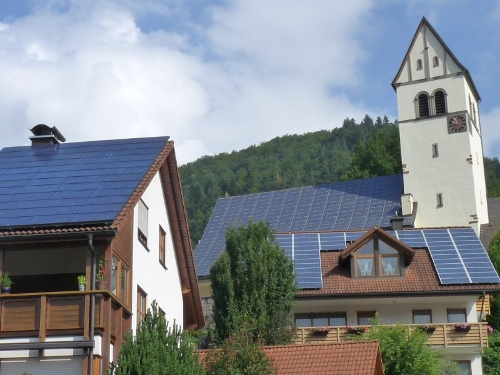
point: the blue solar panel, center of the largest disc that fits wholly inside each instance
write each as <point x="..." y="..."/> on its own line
<point x="350" y="205"/>
<point x="74" y="182"/>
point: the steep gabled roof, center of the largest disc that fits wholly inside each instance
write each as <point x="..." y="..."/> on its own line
<point x="426" y="24"/>
<point x="74" y="184"/>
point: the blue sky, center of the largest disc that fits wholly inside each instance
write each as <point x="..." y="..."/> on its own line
<point x="222" y="75"/>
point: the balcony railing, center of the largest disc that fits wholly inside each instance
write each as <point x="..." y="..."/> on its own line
<point x="46" y="314"/>
<point x="445" y="335"/>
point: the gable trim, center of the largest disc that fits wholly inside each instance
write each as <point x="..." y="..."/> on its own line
<point x="407" y="251"/>
<point x="448" y="52"/>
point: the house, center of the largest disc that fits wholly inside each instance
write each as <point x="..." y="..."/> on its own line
<point x="345" y="358"/>
<point x="70" y="209"/>
<point x="405" y="246"/>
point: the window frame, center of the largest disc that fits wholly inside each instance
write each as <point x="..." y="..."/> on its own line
<point x="162" y="241"/>
<point x="378" y="258"/>
<point x="142" y="224"/>
<point x="117" y="290"/>
<point x="435" y="61"/>
<point x="329" y="315"/>
<point x="420" y="108"/>
<point x="435" y="150"/>
<point x="426" y="312"/>
<point x="439" y="200"/>
<point x="468" y="364"/>
<point x="441" y="95"/>
<point x="365" y="314"/>
<point x="142" y="306"/>
<point x="464" y="311"/>
<point x="420" y="64"/>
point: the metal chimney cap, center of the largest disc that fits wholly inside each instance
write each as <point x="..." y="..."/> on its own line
<point x="42" y="131"/>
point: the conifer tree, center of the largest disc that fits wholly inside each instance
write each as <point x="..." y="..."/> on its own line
<point x="253" y="284"/>
<point x="156" y="350"/>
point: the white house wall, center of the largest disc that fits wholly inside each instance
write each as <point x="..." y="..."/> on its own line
<point x="160" y="284"/>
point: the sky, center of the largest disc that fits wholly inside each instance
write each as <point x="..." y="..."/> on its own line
<point x="222" y="75"/>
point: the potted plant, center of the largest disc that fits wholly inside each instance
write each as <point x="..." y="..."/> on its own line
<point x="427" y="328"/>
<point x="355" y="330"/>
<point x="6" y="283"/>
<point x="319" y="331"/>
<point x="82" y="281"/>
<point x="462" y="327"/>
<point x="101" y="273"/>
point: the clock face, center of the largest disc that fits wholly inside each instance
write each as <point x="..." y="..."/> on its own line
<point x="457" y="124"/>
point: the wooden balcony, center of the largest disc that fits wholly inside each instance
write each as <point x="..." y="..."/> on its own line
<point x="49" y="314"/>
<point x="444" y="336"/>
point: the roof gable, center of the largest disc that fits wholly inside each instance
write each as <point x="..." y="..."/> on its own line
<point x="393" y="242"/>
<point x="75" y="183"/>
<point x="426" y="44"/>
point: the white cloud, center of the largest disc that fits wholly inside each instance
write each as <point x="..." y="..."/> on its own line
<point x="273" y="68"/>
<point x="491" y="132"/>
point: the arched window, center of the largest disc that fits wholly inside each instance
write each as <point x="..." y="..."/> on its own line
<point x="439" y="100"/>
<point x="423" y="105"/>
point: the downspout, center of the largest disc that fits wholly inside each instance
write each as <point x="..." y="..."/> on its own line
<point x="92" y="303"/>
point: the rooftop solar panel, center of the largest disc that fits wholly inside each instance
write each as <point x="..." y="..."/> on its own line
<point x="52" y="184"/>
<point x="350" y="205"/>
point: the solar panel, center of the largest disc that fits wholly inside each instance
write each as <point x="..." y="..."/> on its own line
<point x="59" y="184"/>
<point x="350" y="205"/>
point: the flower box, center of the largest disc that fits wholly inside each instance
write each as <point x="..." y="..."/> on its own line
<point x="426" y="328"/>
<point x="355" y="330"/>
<point x="463" y="327"/>
<point x="319" y="331"/>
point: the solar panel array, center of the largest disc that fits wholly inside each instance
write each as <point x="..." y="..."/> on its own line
<point x="350" y="205"/>
<point x="72" y="183"/>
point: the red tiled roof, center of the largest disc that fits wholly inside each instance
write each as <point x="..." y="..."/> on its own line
<point x="346" y="358"/>
<point x="420" y="278"/>
<point x="52" y="230"/>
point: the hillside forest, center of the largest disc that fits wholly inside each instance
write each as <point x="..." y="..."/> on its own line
<point x="354" y="150"/>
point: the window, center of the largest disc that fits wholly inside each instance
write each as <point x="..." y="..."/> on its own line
<point x="162" y="246"/>
<point x="419" y="64"/>
<point x="435" y="61"/>
<point x="120" y="279"/>
<point x="422" y="316"/>
<point x="439" y="197"/>
<point x="440" y="102"/>
<point x="423" y="105"/>
<point x="435" y="150"/>
<point x="143" y="223"/>
<point x="335" y="319"/>
<point x="464" y="367"/>
<point x="141" y="305"/>
<point x="456" y="316"/>
<point x="376" y="258"/>
<point x="365" y="317"/>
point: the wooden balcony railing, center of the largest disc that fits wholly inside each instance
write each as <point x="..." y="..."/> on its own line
<point x="445" y="335"/>
<point x="45" y="314"/>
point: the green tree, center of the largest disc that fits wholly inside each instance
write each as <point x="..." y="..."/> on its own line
<point x="253" y="283"/>
<point x="491" y="355"/>
<point x="380" y="155"/>
<point x="157" y="350"/>
<point x="409" y="353"/>
<point x="238" y="355"/>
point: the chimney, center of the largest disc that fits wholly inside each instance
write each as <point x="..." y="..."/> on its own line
<point x="397" y="222"/>
<point x="46" y="135"/>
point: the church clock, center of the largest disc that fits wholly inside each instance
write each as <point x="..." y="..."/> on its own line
<point x="457" y="124"/>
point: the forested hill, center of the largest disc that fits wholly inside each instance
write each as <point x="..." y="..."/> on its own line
<point x="298" y="160"/>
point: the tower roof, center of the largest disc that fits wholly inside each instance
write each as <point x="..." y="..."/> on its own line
<point x="423" y="28"/>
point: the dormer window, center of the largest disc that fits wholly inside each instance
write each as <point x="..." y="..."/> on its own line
<point x="377" y="255"/>
<point x="376" y="259"/>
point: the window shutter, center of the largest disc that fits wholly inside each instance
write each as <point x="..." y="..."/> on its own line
<point x="143" y="218"/>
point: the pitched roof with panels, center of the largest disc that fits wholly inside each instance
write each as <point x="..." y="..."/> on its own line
<point x="72" y="184"/>
<point x="349" y="205"/>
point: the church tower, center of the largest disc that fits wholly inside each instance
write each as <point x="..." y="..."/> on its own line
<point x="440" y="131"/>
